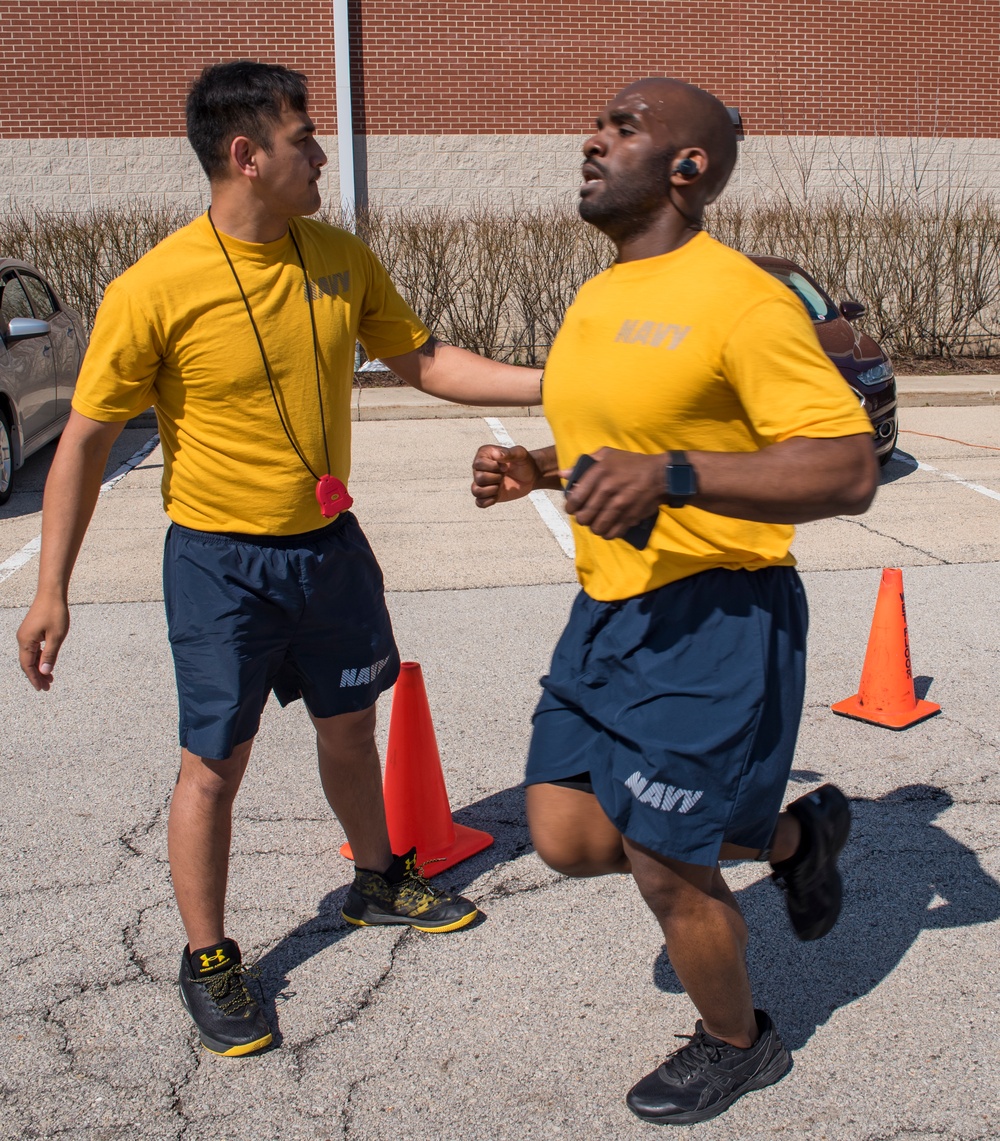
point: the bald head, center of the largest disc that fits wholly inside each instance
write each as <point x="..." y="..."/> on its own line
<point x="691" y="117"/>
<point x="662" y="150"/>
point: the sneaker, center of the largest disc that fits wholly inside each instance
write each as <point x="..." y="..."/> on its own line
<point x="402" y="895"/>
<point x="810" y="879"/>
<point x="704" y="1078"/>
<point x="228" y="1018"/>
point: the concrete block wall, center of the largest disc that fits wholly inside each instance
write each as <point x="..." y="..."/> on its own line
<point x="505" y="171"/>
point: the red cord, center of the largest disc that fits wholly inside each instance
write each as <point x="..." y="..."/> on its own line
<point x="964" y="443"/>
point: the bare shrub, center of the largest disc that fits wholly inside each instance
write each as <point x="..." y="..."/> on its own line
<point x="499" y="282"/>
<point x="489" y="280"/>
<point x="81" y="253"/>
<point x="929" y="274"/>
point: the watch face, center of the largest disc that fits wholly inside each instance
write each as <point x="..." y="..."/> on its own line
<point x="681" y="480"/>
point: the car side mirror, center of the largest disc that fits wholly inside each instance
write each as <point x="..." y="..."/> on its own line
<point x="852" y="310"/>
<point x="21" y="328"/>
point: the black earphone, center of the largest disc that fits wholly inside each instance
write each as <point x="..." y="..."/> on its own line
<point x="686" y="168"/>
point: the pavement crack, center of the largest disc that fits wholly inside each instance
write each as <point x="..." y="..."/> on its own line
<point x="130" y="940"/>
<point x="508" y="888"/>
<point x="280" y="818"/>
<point x="928" y="1131"/>
<point x="989" y="744"/>
<point x="882" y="535"/>
<point x="178" y="1086"/>
<point x="366" y="999"/>
<point x="129" y="840"/>
<point x="53" y="889"/>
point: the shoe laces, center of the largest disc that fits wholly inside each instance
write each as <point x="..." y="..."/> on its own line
<point x="413" y="882"/>
<point x="413" y="874"/>
<point x="699" y="1052"/>
<point x="228" y="990"/>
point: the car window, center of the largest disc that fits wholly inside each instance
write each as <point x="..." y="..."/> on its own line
<point x="819" y="306"/>
<point x="42" y="301"/>
<point x="14" y="301"/>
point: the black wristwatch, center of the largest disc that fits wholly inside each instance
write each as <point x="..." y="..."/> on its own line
<point x="682" y="482"/>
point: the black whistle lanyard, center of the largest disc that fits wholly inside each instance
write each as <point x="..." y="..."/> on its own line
<point x="263" y="354"/>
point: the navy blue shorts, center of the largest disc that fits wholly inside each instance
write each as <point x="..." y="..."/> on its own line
<point x="683" y="705"/>
<point x="303" y="615"/>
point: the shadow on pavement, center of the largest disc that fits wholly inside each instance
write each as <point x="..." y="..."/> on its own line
<point x="898" y="468"/>
<point x="501" y="814"/>
<point x="902" y="875"/>
<point x="29" y="480"/>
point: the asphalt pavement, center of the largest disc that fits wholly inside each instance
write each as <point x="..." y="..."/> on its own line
<point x="534" y="1022"/>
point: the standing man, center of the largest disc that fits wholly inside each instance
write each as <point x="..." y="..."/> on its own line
<point x="665" y="733"/>
<point x="240" y="330"/>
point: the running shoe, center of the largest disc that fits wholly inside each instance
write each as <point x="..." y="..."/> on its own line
<point x="810" y="879"/>
<point x="229" y="1020"/>
<point x="704" y="1078"/>
<point x="403" y="896"/>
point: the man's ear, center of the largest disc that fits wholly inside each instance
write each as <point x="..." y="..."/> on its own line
<point x="690" y="163"/>
<point x="243" y="155"/>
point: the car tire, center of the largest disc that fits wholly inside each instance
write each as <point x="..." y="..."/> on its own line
<point x="886" y="456"/>
<point x="6" y="459"/>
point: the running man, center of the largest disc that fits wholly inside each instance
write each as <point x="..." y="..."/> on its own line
<point x="665" y="733"/>
<point x="240" y="329"/>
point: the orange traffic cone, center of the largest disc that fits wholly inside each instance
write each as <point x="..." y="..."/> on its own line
<point x="885" y="695"/>
<point x="416" y="801"/>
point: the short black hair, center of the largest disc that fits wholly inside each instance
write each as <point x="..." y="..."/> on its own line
<point x="239" y="98"/>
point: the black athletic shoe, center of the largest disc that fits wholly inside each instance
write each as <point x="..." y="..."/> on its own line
<point x="228" y="1018"/>
<point x="810" y="879"/>
<point x="402" y="895"/>
<point x="704" y="1078"/>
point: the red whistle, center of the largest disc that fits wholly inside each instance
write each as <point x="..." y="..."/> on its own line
<point x="332" y="496"/>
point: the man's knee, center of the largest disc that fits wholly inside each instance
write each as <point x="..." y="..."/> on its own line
<point x="347" y="732"/>
<point x="210" y="780"/>
<point x="579" y="861"/>
<point x="673" y="889"/>
<point x="566" y="863"/>
<point x="572" y="834"/>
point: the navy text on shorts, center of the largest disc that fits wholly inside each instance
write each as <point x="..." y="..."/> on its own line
<point x="303" y="615"/>
<point x="683" y="705"/>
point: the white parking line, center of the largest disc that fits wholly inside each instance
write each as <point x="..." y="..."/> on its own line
<point x="132" y="462"/>
<point x="919" y="464"/>
<point x="551" y="517"/>
<point x="24" y="555"/>
<point x="33" y="546"/>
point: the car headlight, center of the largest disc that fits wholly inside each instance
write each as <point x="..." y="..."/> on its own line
<point x="877" y="375"/>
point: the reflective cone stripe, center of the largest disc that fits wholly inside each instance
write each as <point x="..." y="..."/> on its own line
<point x="417" y="811"/>
<point x="885" y="695"/>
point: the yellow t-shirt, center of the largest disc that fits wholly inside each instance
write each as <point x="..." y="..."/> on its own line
<point x="173" y="333"/>
<point x="695" y="350"/>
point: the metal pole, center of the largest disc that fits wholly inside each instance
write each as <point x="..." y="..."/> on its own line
<point x="345" y="118"/>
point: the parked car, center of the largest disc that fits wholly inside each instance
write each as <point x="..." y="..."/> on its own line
<point x="863" y="364"/>
<point x="42" y="343"/>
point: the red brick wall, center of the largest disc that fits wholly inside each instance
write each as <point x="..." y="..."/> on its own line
<point x="97" y="68"/>
<point x="462" y="66"/>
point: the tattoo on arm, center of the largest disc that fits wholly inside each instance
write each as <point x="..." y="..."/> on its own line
<point x="429" y="346"/>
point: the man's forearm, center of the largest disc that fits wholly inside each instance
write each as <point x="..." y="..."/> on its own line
<point x="793" y="482"/>
<point x="455" y="374"/>
<point x="71" y="492"/>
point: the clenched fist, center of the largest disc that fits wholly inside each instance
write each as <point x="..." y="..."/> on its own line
<point x="500" y="474"/>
